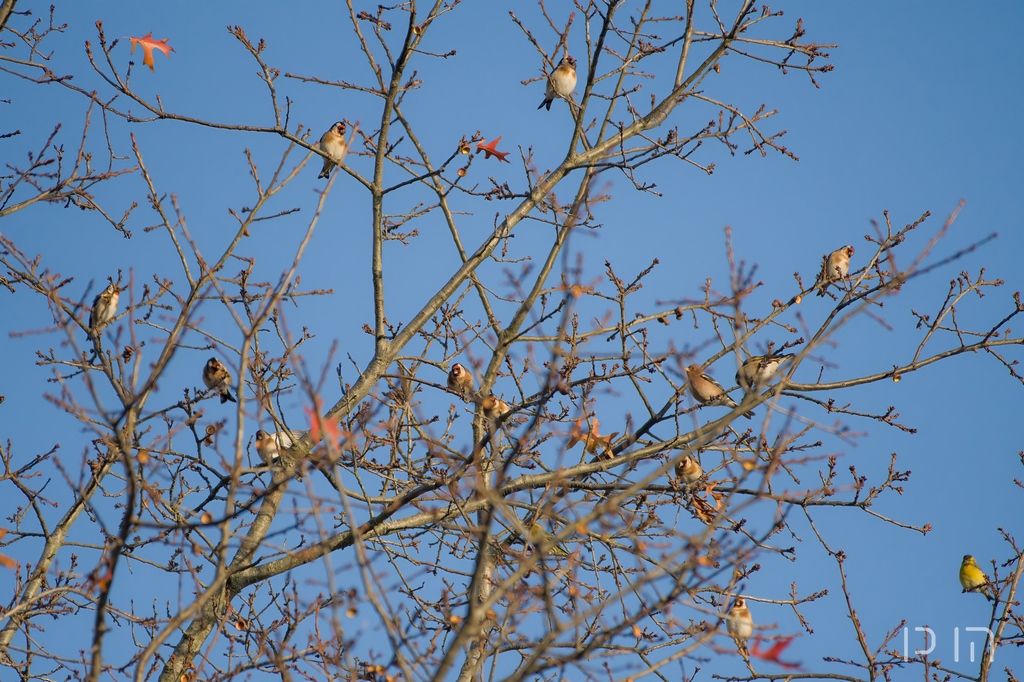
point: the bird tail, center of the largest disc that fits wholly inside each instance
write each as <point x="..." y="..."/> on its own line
<point x="729" y="402"/>
<point x="226" y="396"/>
<point x="546" y="102"/>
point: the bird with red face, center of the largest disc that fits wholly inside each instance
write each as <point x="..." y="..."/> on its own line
<point x="494" y="407"/>
<point x="688" y="471"/>
<point x="561" y="82"/>
<point x="460" y="382"/>
<point x="216" y="377"/>
<point x="739" y="624"/>
<point x="104" y="307"/>
<point x="707" y="391"/>
<point x="270" y="446"/>
<point x="332" y="143"/>
<point x="835" y="267"/>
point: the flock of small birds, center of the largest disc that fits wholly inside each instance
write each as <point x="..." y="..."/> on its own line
<point x="753" y="373"/>
<point x="740" y="625"/>
<point x="460" y="382"/>
<point x="560" y="84"/>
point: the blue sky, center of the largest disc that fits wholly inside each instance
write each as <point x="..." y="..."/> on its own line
<point x="919" y="113"/>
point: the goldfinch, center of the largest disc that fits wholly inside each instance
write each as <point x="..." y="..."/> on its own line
<point x="332" y="143"/>
<point x="835" y="267"/>
<point x="973" y="579"/>
<point x="561" y="82"/>
<point x="104" y="307"/>
<point x="269" y="447"/>
<point x="539" y="536"/>
<point x="460" y="381"/>
<point x="688" y="471"/>
<point x="494" y="407"/>
<point x="216" y="377"/>
<point x="707" y="391"/>
<point x="739" y="624"/>
<point x="759" y="370"/>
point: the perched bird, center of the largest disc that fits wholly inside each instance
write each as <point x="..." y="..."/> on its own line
<point x="973" y="579"/>
<point x="332" y="143"/>
<point x="104" y="307"/>
<point x="688" y="470"/>
<point x="268" y="448"/>
<point x="759" y="370"/>
<point x="835" y="267"/>
<point x="539" y="536"/>
<point x="460" y="381"/>
<point x="494" y="407"/>
<point x="216" y="377"/>
<point x="561" y="82"/>
<point x="270" y="445"/>
<point x="707" y="391"/>
<point x="739" y="624"/>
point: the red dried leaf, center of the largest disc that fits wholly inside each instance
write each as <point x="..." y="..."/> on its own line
<point x="148" y="43"/>
<point x="774" y="653"/>
<point x="490" y="150"/>
<point x="321" y="428"/>
<point x="592" y="440"/>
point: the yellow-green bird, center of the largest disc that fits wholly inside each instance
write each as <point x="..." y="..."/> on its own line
<point x="539" y="536"/>
<point x="973" y="578"/>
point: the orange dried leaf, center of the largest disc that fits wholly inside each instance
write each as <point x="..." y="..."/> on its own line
<point x="8" y="562"/>
<point x="773" y="653"/>
<point x="148" y="43"/>
<point x="702" y="510"/>
<point x="592" y="440"/>
<point x="321" y="428"/>
<point x="705" y="561"/>
<point x="491" y="149"/>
